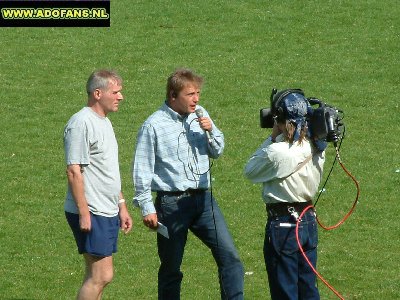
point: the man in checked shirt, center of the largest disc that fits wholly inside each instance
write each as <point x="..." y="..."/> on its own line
<point x="172" y="155"/>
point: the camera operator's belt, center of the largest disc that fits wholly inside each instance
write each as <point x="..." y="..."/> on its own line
<point x="188" y="192"/>
<point x="284" y="209"/>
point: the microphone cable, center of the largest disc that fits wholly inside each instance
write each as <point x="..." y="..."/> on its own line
<point x="191" y="168"/>
<point x="210" y="165"/>
<point x="199" y="113"/>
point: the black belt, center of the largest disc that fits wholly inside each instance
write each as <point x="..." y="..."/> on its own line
<point x="285" y="209"/>
<point x="188" y="192"/>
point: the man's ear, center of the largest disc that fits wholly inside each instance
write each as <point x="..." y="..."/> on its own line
<point x="97" y="94"/>
<point x="173" y="95"/>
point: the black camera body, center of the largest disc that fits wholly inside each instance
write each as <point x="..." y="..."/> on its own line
<point x="325" y="121"/>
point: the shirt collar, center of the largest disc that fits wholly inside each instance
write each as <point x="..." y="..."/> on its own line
<point x="173" y="114"/>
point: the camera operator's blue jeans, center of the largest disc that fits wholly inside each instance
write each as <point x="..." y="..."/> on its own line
<point x="289" y="275"/>
<point x="201" y="214"/>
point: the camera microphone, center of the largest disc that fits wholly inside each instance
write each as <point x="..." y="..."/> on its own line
<point x="199" y="114"/>
<point x="332" y="136"/>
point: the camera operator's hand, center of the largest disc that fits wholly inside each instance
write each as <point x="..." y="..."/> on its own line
<point x="275" y="131"/>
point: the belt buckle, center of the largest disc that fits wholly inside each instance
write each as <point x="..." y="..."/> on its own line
<point x="294" y="213"/>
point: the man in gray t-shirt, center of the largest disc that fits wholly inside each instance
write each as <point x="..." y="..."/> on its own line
<point x="90" y="142"/>
<point x="95" y="207"/>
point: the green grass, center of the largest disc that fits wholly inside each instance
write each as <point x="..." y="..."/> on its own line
<point x="345" y="52"/>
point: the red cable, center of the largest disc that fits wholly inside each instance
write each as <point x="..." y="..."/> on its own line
<point x="352" y="208"/>
<point x="328" y="228"/>
<point x="306" y="258"/>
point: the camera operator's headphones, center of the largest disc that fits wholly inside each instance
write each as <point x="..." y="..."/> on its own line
<point x="276" y="99"/>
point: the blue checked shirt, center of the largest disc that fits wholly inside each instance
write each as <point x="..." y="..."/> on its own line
<point x="172" y="154"/>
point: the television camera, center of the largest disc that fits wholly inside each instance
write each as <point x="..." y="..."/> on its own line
<point x="325" y="122"/>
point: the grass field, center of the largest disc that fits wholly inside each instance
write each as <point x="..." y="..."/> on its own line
<point x="345" y="52"/>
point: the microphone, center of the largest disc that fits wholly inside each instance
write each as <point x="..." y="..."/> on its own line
<point x="199" y="114"/>
<point x="332" y="136"/>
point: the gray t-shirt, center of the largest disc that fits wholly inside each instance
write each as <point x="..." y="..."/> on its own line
<point x="89" y="141"/>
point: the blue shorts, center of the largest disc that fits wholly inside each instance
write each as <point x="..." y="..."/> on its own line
<point x="101" y="240"/>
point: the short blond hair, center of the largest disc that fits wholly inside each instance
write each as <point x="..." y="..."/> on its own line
<point x="179" y="79"/>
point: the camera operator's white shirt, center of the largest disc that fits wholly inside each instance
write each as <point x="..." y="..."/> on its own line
<point x="273" y="165"/>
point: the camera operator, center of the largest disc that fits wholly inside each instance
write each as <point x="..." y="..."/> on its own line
<point x="290" y="168"/>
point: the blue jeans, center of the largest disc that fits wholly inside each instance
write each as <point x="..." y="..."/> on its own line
<point x="289" y="275"/>
<point x="201" y="214"/>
